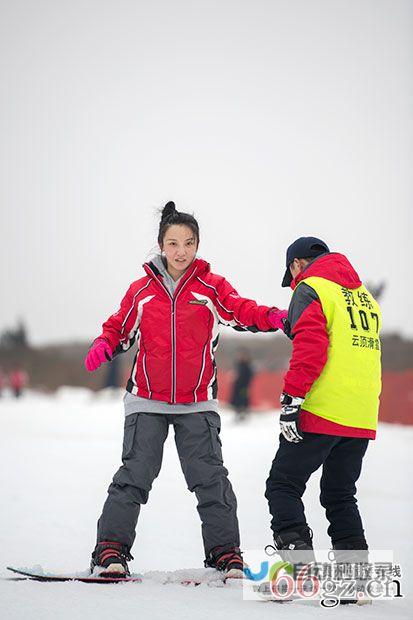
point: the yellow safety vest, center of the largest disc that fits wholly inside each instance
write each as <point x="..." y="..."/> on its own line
<point x="348" y="388"/>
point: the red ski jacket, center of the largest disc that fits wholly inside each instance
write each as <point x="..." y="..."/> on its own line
<point x="177" y="335"/>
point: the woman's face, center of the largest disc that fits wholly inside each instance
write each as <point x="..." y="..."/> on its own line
<point x="179" y="246"/>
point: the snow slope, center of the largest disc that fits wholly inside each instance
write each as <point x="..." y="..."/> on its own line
<point x="58" y="456"/>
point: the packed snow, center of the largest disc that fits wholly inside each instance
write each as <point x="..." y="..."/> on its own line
<point x="59" y="454"/>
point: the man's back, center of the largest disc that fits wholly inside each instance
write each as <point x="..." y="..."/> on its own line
<point x="335" y="324"/>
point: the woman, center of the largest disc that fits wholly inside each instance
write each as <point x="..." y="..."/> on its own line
<point x="173" y="313"/>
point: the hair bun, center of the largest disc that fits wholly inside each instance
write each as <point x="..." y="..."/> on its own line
<point x="168" y="210"/>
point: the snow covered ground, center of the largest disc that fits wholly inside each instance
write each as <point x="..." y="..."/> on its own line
<point x="58" y="456"/>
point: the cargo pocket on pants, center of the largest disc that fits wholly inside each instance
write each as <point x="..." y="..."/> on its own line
<point x="129" y="434"/>
<point x="214" y="424"/>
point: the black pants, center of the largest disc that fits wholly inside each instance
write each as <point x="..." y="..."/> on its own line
<point x="341" y="458"/>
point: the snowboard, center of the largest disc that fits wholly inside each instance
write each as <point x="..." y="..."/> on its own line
<point x="32" y="574"/>
<point x="323" y="601"/>
<point x="27" y="574"/>
<point x="234" y="576"/>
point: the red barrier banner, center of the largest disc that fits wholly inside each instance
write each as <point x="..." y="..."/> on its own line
<point x="396" y="400"/>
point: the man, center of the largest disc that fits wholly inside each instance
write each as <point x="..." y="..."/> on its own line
<point x="330" y="398"/>
<point x="240" y="398"/>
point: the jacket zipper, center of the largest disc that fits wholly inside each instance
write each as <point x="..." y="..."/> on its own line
<point x="173" y="395"/>
<point x="173" y="329"/>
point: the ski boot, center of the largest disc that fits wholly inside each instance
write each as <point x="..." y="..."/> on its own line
<point x="227" y="559"/>
<point x="110" y="559"/>
<point x="297" y="539"/>
<point x="353" y="550"/>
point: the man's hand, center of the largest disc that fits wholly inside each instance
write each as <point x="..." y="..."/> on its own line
<point x="290" y="416"/>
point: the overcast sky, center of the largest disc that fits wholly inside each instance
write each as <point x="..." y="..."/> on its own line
<point x="267" y="119"/>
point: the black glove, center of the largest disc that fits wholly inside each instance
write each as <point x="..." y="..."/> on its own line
<point x="290" y="416"/>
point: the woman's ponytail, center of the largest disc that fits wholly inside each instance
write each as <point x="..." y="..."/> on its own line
<point x="168" y="210"/>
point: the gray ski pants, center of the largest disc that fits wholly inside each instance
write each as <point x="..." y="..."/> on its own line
<point x="199" y="449"/>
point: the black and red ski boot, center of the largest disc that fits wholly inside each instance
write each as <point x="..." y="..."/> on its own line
<point x="227" y="559"/>
<point x="110" y="559"/>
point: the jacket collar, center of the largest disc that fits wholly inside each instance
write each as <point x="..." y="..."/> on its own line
<point x="334" y="267"/>
<point x="197" y="267"/>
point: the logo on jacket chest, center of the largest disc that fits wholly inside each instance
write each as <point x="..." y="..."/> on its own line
<point x="198" y="302"/>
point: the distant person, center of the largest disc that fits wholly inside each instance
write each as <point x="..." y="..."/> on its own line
<point x="2" y="382"/>
<point x="173" y="313"/>
<point x="112" y="378"/>
<point x="240" y="398"/>
<point x="330" y="399"/>
<point x="17" y="381"/>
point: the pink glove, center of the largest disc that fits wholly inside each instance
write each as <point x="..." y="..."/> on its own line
<point x="277" y="318"/>
<point x="99" y="352"/>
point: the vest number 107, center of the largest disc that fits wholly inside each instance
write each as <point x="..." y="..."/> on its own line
<point x="363" y="319"/>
